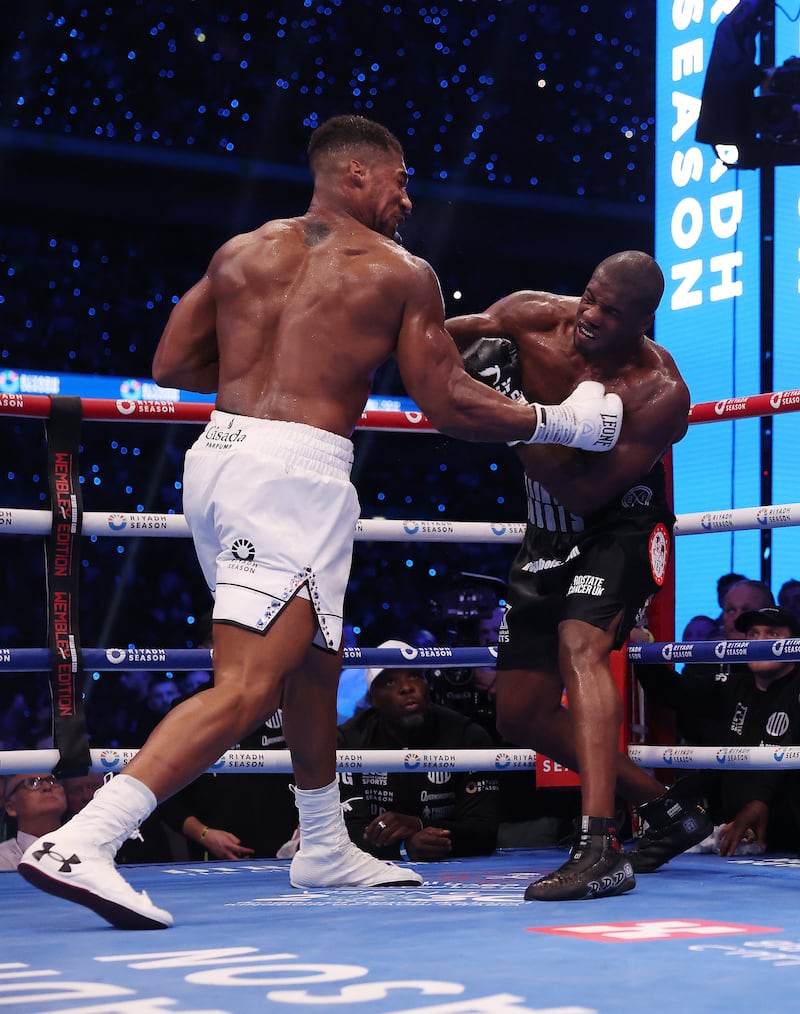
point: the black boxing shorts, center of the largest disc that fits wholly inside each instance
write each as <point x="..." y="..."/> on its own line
<point x="590" y="569"/>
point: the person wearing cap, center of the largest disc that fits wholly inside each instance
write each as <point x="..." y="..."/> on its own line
<point x="37" y="804"/>
<point x="757" y="704"/>
<point x="418" y="815"/>
<point x="699" y="726"/>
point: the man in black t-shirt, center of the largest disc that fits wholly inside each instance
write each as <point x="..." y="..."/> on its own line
<point x="422" y="815"/>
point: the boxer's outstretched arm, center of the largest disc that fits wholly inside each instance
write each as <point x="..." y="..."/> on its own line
<point x="434" y="375"/>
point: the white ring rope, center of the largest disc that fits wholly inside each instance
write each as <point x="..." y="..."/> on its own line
<point x="730" y="758"/>
<point x="24" y="521"/>
<point x="723" y="758"/>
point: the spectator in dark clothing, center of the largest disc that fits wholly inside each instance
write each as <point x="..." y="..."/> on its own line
<point x="419" y="815"/>
<point x="236" y="816"/>
<point x="697" y="726"/>
<point x="117" y="709"/>
<point x="757" y="704"/>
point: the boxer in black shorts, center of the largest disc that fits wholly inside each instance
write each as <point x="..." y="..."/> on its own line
<point x="596" y="549"/>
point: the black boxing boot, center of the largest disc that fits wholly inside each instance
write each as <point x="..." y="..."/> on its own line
<point x="672" y="823"/>
<point x="598" y="867"/>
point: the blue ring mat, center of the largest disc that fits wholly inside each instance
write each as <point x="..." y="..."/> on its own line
<point x="703" y="934"/>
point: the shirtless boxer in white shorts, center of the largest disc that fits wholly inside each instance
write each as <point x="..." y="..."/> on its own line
<point x="287" y="327"/>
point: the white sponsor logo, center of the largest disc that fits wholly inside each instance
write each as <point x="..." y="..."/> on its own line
<point x="729" y="405"/>
<point x="536" y="565"/>
<point x="675" y="652"/>
<point x="587" y="584"/>
<point x="783" y="398"/>
<point x="777" y="724"/>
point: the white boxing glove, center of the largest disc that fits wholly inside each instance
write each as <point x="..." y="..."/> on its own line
<point x="588" y="419"/>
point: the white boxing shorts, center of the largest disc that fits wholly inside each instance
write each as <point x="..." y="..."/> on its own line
<point x="273" y="514"/>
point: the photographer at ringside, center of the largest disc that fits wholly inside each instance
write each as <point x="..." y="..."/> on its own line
<point x="466" y="615"/>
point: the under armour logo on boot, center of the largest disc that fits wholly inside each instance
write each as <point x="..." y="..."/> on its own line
<point x="47" y="850"/>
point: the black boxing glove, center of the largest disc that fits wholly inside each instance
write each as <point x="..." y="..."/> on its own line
<point x="495" y="362"/>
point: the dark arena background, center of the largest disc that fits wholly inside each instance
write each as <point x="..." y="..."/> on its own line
<point x="135" y="137"/>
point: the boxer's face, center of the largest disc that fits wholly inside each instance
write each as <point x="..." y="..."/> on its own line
<point x="608" y="317"/>
<point x="386" y="179"/>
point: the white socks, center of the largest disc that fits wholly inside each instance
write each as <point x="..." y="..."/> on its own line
<point x="327" y="857"/>
<point x="320" y="810"/>
<point x="114" y="813"/>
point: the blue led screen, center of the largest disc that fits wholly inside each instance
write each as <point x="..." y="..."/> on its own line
<point x="786" y="364"/>
<point x="708" y="244"/>
<point x="708" y="241"/>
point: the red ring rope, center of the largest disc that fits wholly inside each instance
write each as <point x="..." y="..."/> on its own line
<point x="37" y="406"/>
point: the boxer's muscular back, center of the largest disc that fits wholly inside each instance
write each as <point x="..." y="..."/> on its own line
<point x="306" y="311"/>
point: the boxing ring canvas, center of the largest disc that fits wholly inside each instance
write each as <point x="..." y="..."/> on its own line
<point x="704" y="934"/>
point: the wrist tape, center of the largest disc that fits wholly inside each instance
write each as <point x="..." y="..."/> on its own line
<point x="557" y="424"/>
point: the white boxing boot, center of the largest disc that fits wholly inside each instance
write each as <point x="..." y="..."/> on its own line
<point x="76" y="861"/>
<point x="327" y="857"/>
